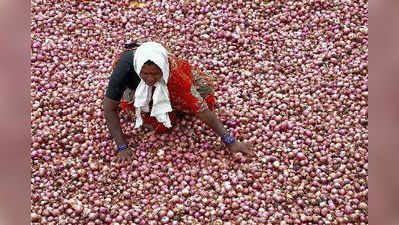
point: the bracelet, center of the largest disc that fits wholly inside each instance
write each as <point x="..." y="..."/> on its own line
<point x="122" y="147"/>
<point x="227" y="139"/>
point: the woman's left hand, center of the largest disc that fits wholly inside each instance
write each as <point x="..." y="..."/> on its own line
<point x="240" y="147"/>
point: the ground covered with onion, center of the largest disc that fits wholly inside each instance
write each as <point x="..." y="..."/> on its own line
<point x="292" y="80"/>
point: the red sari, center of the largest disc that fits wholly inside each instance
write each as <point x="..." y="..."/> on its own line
<point x="190" y="91"/>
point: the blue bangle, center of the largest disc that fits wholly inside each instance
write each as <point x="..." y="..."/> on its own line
<point x="227" y="139"/>
<point x="122" y="147"/>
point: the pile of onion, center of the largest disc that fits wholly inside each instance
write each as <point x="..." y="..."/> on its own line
<point x="292" y="80"/>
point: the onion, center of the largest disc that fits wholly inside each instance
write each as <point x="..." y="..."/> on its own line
<point x="291" y="79"/>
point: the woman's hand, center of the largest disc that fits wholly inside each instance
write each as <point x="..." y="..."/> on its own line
<point x="125" y="155"/>
<point x="240" y="147"/>
<point x="216" y="125"/>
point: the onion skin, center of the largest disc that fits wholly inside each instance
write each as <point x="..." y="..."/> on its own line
<point x="292" y="79"/>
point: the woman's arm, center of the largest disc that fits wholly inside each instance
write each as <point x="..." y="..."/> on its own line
<point x="113" y="120"/>
<point x="122" y="67"/>
<point x="216" y="125"/>
<point x="212" y="121"/>
<point x="114" y="126"/>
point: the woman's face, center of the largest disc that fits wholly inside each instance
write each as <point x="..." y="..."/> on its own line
<point x="151" y="74"/>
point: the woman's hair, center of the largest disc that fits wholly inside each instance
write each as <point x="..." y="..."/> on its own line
<point x="149" y="62"/>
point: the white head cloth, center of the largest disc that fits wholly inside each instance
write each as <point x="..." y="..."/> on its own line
<point x="160" y="102"/>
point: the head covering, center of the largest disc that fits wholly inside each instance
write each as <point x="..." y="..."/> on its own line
<point x="161" y="104"/>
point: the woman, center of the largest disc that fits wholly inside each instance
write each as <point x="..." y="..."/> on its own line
<point x="152" y="84"/>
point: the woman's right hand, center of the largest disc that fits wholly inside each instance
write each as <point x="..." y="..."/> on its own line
<point x="125" y="155"/>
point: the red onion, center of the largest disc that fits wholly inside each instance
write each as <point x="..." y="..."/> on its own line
<point x="291" y="80"/>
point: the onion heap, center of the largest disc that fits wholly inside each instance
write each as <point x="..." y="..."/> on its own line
<point x="292" y="80"/>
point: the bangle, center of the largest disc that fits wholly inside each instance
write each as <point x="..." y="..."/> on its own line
<point x="122" y="147"/>
<point x="227" y="139"/>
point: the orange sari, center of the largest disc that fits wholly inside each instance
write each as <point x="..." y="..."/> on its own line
<point x="190" y="91"/>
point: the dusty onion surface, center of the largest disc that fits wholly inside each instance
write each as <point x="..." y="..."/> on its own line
<point x="292" y="80"/>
